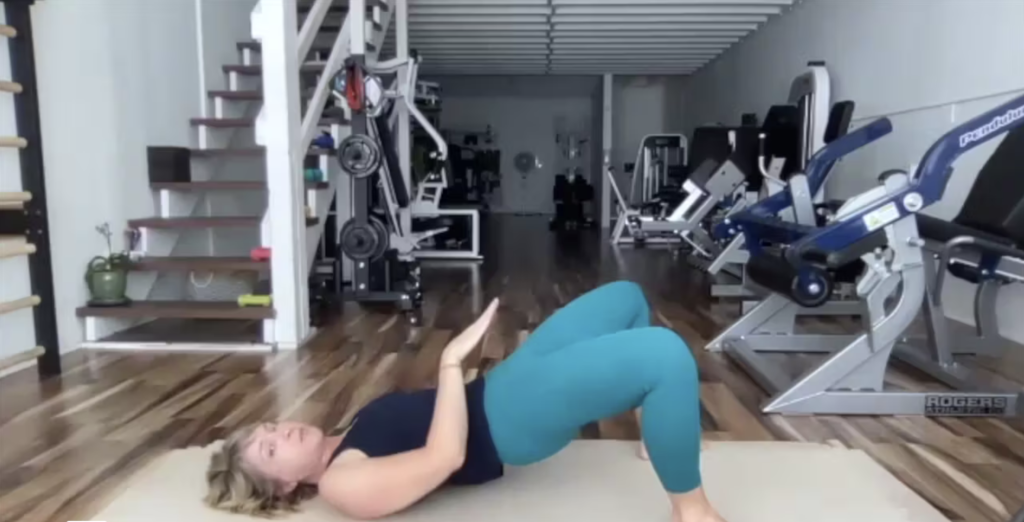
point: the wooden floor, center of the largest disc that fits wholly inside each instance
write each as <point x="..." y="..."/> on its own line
<point x="67" y="444"/>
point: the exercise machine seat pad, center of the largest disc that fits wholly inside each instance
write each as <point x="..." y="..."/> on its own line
<point x="941" y="231"/>
<point x="839" y="119"/>
<point x="703" y="173"/>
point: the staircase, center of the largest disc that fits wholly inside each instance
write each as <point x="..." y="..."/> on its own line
<point x="192" y="261"/>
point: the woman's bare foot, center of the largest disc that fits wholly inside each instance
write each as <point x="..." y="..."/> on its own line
<point x="693" y="507"/>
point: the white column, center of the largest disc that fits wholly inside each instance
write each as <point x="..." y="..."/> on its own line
<point x="285" y="211"/>
<point x="402" y="128"/>
<point x="606" y="150"/>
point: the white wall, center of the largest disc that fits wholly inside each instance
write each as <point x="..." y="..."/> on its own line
<point x="642" y="105"/>
<point x="17" y="329"/>
<point x="222" y="24"/>
<point x="525" y="113"/>
<point x="926" y="65"/>
<point x="115" y="76"/>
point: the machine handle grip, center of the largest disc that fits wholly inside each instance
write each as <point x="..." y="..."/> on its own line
<point x="985" y="246"/>
<point x="821" y="163"/>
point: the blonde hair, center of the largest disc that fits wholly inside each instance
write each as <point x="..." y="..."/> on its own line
<point x="235" y="487"/>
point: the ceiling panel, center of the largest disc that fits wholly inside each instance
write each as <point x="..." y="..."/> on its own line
<point x="579" y="36"/>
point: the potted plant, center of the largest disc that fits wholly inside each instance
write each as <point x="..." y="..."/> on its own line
<point x="107" y="276"/>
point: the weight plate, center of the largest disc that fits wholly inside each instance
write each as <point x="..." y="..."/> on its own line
<point x="359" y="241"/>
<point x="384" y="238"/>
<point x="359" y="156"/>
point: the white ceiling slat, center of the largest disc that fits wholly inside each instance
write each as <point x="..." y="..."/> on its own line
<point x="464" y="30"/>
<point x="489" y="67"/>
<point x="638" y="63"/>
<point x="428" y="50"/>
<point x="706" y="9"/>
<point x="630" y="50"/>
<point x="628" y="35"/>
<point x="653" y="19"/>
<point x="423" y="42"/>
<point x="497" y="55"/>
<point x="665" y="2"/>
<point x="627" y="69"/>
<point x="454" y="69"/>
<point x="610" y="53"/>
<point x="471" y="36"/>
<point x="639" y="37"/>
<point x="441" y="40"/>
<point x="469" y="30"/>
<point x="457" y="12"/>
<point x="643" y="41"/>
<point x="426" y="19"/>
<point x="625" y="26"/>
<point x="617" y="69"/>
<point x="418" y="3"/>
<point x="489" y="59"/>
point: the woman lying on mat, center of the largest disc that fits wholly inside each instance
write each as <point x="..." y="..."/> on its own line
<point x="595" y="358"/>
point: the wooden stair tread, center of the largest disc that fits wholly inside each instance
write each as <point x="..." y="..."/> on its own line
<point x="248" y="151"/>
<point x="208" y="185"/>
<point x="227" y="152"/>
<point x="195" y="222"/>
<point x="257" y="70"/>
<point x="256" y="46"/>
<point x="178" y="310"/>
<point x="227" y="123"/>
<point x="224" y="122"/>
<point x="224" y="185"/>
<point x="335" y="28"/>
<point x="203" y="222"/>
<point x="207" y="263"/>
<point x="250" y="95"/>
<point x="237" y="95"/>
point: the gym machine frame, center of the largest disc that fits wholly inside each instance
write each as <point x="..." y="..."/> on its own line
<point x="795" y="203"/>
<point x="811" y="92"/>
<point x="704" y="189"/>
<point x="429" y="191"/>
<point x="779" y="318"/>
<point x="653" y="179"/>
<point x="363" y="156"/>
<point x="651" y="182"/>
<point x="851" y="380"/>
<point x="24" y="215"/>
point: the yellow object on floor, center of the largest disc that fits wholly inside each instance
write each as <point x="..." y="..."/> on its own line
<point x="254" y="300"/>
<point x="592" y="481"/>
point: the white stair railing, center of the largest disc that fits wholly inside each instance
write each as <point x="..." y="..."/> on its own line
<point x="287" y="133"/>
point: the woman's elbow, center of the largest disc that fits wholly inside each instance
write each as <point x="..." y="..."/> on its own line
<point x="450" y="459"/>
<point x="455" y="460"/>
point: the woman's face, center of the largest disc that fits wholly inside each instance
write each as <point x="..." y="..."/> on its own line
<point x="288" y="452"/>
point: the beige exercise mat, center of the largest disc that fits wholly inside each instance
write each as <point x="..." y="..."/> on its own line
<point x="595" y="481"/>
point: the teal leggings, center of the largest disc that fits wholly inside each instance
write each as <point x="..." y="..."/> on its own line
<point x="596" y="358"/>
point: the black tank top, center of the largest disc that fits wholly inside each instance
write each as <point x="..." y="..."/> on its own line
<point x="399" y="422"/>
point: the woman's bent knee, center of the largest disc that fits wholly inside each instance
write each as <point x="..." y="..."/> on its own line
<point x="669" y="350"/>
<point x="626" y="292"/>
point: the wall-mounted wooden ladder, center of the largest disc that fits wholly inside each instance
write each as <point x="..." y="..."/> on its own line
<point x="23" y="226"/>
<point x="12" y="246"/>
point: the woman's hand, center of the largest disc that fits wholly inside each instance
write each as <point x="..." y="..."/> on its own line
<point x="463" y="344"/>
